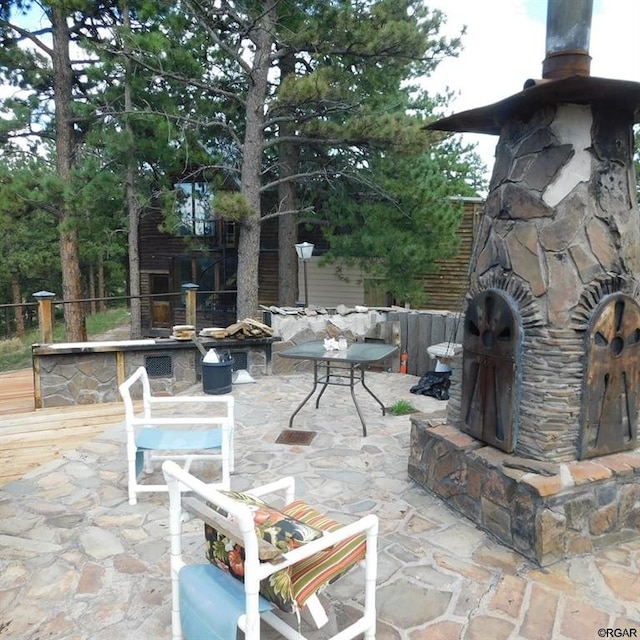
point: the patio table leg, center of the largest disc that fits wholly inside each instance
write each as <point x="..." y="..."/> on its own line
<point x="373" y="395"/>
<point x="313" y="390"/>
<point x="352" y="381"/>
<point x="327" y="377"/>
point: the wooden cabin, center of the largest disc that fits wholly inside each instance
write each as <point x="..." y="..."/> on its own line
<point x="203" y="251"/>
<point x="198" y="250"/>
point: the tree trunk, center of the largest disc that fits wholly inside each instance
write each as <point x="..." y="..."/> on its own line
<point x="101" y="289"/>
<point x="134" y="259"/>
<point x="16" y="293"/>
<point x="132" y="206"/>
<point x="92" y="289"/>
<point x="287" y="224"/>
<point x="249" y="240"/>
<point x="74" y="316"/>
<point x="287" y="257"/>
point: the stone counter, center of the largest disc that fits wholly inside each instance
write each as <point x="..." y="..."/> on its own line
<point x="89" y="372"/>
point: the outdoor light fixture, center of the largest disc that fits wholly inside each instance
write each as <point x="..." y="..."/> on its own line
<point x="304" y="251"/>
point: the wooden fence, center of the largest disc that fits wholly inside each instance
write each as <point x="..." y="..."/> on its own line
<point x="421" y="329"/>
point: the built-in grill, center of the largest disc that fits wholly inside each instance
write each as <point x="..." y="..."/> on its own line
<point x="550" y="370"/>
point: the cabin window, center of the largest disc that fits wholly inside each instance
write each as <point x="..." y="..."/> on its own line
<point x="193" y="209"/>
<point x="196" y="269"/>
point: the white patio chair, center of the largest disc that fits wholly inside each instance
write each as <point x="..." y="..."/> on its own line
<point x="177" y="433"/>
<point x="259" y="555"/>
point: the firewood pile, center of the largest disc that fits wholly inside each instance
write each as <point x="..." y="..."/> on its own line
<point x="247" y="328"/>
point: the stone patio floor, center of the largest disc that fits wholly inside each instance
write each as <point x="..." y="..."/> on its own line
<point x="77" y="562"/>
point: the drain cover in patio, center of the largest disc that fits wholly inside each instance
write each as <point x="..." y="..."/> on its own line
<point x="295" y="436"/>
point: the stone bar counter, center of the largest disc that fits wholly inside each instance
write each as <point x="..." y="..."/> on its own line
<point x="89" y="372"/>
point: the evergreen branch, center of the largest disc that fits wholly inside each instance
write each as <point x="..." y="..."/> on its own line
<point x="28" y="35"/>
<point x="278" y="214"/>
<point x="293" y="178"/>
<point x="197" y="9"/>
<point x="190" y="82"/>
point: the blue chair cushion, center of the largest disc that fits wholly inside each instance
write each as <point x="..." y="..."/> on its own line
<point x="152" y="438"/>
<point x="211" y="601"/>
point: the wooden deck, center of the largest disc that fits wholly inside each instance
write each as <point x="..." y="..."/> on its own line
<point x="31" y="437"/>
<point x="16" y="392"/>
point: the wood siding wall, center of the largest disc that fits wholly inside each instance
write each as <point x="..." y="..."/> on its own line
<point x="268" y="265"/>
<point x="446" y="288"/>
<point x="327" y="288"/>
<point x="268" y="278"/>
<point x="331" y="285"/>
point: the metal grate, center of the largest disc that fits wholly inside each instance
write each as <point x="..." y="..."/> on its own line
<point x="159" y="366"/>
<point x="240" y="360"/>
<point x="294" y="436"/>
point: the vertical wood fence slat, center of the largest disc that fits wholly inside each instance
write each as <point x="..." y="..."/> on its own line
<point x="437" y="329"/>
<point x="420" y="330"/>
<point x="423" y="339"/>
<point x="413" y="345"/>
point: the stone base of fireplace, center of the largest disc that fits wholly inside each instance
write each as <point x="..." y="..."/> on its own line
<point x="545" y="511"/>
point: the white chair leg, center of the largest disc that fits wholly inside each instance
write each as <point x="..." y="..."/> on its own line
<point x="317" y="612"/>
<point x="148" y="464"/>
<point x="132" y="482"/>
<point x="232" y="463"/>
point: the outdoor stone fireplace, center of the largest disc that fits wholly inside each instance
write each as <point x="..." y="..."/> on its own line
<point x="540" y="445"/>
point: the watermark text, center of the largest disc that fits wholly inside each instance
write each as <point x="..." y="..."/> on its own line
<point x="617" y="632"/>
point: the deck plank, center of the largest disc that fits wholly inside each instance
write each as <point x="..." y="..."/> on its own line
<point x="16" y="392"/>
<point x="32" y="437"/>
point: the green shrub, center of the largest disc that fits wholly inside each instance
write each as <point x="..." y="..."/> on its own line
<point x="401" y="408"/>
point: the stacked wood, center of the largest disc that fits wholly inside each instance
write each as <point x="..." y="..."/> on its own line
<point x="247" y="328"/>
<point x="183" y="331"/>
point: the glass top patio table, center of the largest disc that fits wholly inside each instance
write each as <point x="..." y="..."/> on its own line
<point x="340" y="368"/>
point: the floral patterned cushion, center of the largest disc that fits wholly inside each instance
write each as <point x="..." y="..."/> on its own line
<point x="280" y="530"/>
<point x="295" y="525"/>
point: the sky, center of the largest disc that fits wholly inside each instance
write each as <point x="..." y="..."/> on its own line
<point x="505" y="45"/>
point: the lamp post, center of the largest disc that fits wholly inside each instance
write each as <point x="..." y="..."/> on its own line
<point x="304" y="251"/>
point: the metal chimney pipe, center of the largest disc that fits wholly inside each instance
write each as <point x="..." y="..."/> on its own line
<point x="568" y="33"/>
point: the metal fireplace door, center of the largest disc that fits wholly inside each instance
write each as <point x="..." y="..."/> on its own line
<point x="490" y="369"/>
<point x="610" y="390"/>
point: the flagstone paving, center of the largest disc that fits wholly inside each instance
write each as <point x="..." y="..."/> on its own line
<point x="78" y="562"/>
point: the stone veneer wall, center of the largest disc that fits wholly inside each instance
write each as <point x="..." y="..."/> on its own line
<point x="92" y="377"/>
<point x="545" y="511"/>
<point x="560" y="232"/>
<point x="89" y="373"/>
<point x="358" y="326"/>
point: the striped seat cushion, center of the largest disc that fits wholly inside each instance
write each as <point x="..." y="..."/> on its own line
<point x="289" y="588"/>
<point x="320" y="569"/>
